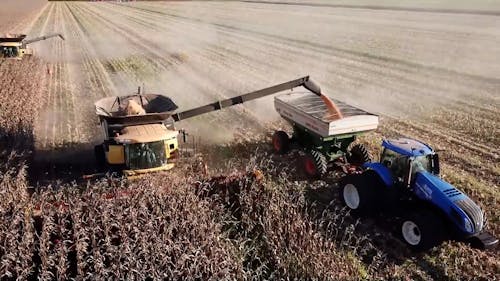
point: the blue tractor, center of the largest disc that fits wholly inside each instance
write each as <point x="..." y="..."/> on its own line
<point x="407" y="181"/>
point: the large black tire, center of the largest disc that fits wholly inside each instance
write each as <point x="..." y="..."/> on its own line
<point x="360" y="192"/>
<point x="421" y="230"/>
<point x="314" y="164"/>
<point x="100" y="157"/>
<point x="281" y="142"/>
<point x="358" y="155"/>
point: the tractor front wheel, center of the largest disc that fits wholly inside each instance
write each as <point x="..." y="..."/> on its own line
<point x="315" y="164"/>
<point x="358" y="155"/>
<point x="422" y="230"/>
<point x="281" y="142"/>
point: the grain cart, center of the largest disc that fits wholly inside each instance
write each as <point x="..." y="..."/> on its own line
<point x="327" y="139"/>
<point x="407" y="181"/>
<point x="139" y="132"/>
<point x="14" y="46"/>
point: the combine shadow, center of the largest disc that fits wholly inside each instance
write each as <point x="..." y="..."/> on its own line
<point x="62" y="165"/>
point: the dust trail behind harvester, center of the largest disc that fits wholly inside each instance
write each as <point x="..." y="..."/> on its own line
<point x="199" y="52"/>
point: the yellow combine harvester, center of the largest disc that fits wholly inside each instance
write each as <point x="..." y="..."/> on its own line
<point x="137" y="142"/>
<point x="14" y="46"/>
<point x="139" y="132"/>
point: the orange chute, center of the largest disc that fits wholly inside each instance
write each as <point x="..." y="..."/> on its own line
<point x="333" y="110"/>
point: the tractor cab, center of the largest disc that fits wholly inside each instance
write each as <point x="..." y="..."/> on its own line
<point x="405" y="157"/>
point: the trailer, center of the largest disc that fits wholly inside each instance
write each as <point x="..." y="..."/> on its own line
<point x="325" y="136"/>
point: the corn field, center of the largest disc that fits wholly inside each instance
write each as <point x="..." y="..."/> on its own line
<point x="430" y="74"/>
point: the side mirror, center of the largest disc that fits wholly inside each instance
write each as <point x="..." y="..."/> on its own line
<point x="435" y="164"/>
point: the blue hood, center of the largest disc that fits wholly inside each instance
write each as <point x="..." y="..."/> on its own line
<point x="426" y="184"/>
<point x="458" y="206"/>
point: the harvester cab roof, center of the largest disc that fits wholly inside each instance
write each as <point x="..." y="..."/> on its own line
<point x="145" y="133"/>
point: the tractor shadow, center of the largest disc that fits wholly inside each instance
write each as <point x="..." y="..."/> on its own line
<point x="381" y="231"/>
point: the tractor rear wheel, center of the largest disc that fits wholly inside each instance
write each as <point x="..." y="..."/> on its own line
<point x="281" y="142"/>
<point x="315" y="164"/>
<point x="358" y="155"/>
<point x="422" y="230"/>
<point x="360" y="192"/>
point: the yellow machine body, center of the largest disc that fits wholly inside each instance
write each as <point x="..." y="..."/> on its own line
<point x="14" y="50"/>
<point x="143" y="149"/>
<point x="14" y="46"/>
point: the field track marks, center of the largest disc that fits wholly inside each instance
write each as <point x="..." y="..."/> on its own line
<point x="170" y="62"/>
<point x="380" y="7"/>
<point x="394" y="78"/>
<point x="255" y="30"/>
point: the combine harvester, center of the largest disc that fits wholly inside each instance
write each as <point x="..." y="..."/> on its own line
<point x="140" y="137"/>
<point x="14" y="46"/>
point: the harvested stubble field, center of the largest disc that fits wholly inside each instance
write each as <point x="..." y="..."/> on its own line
<point x="432" y="75"/>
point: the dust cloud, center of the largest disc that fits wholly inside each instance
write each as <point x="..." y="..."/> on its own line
<point x="388" y="62"/>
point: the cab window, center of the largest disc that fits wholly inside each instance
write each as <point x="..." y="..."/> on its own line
<point x="421" y="164"/>
<point x="146" y="155"/>
<point x="9" y="52"/>
<point x="396" y="162"/>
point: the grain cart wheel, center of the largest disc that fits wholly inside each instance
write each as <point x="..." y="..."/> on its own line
<point x="315" y="164"/>
<point x="281" y="142"/>
<point x="359" y="192"/>
<point x="358" y="155"/>
<point x="422" y="230"/>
